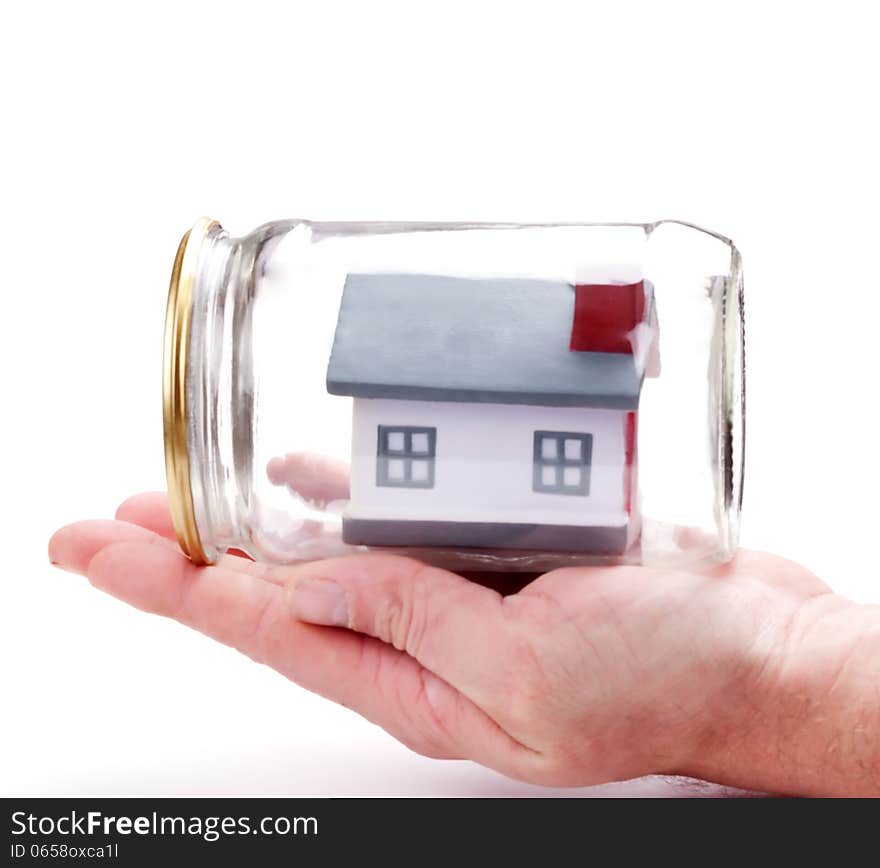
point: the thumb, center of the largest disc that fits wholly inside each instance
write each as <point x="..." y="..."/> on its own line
<point x="453" y="627"/>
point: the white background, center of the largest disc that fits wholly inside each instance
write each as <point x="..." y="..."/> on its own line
<point x="122" y="123"/>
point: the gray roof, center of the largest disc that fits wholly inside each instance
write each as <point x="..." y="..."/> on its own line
<point x="499" y="340"/>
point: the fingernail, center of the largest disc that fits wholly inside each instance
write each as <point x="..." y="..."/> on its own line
<point x="319" y="601"/>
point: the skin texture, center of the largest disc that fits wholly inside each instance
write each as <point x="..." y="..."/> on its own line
<point x="752" y="674"/>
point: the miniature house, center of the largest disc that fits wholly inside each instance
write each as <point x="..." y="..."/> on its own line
<point x="492" y="413"/>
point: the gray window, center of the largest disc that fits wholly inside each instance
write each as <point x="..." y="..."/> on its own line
<point x="406" y="456"/>
<point x="562" y="462"/>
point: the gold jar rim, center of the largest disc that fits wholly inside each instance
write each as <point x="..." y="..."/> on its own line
<point x="178" y="316"/>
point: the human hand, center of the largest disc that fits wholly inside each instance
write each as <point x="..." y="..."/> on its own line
<point x="749" y="674"/>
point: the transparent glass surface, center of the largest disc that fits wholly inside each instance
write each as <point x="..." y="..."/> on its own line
<point x="479" y="396"/>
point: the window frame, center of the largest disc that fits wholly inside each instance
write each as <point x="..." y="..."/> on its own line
<point x="583" y="462"/>
<point x="384" y="455"/>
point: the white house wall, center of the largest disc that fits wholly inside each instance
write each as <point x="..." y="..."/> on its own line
<point x="484" y="464"/>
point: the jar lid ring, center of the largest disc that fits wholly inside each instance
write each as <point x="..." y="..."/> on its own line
<point x="178" y="317"/>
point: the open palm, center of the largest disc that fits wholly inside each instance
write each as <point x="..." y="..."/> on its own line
<point x="585" y="675"/>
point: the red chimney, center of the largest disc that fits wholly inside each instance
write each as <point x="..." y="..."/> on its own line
<point x="604" y="315"/>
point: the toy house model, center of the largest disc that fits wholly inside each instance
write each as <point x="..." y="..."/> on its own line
<point x="492" y="413"/>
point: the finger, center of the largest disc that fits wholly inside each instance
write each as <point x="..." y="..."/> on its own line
<point x="317" y="479"/>
<point x="73" y="549"/>
<point x="256" y="617"/>
<point x="452" y="626"/>
<point x="77" y="549"/>
<point x="149" y="510"/>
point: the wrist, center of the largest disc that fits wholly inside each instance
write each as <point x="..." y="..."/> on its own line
<point x="802" y="715"/>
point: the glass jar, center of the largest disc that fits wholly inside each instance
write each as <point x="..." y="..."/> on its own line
<point x="480" y="396"/>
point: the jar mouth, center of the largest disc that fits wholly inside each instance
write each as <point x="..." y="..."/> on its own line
<point x="731" y="439"/>
<point x="178" y="319"/>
